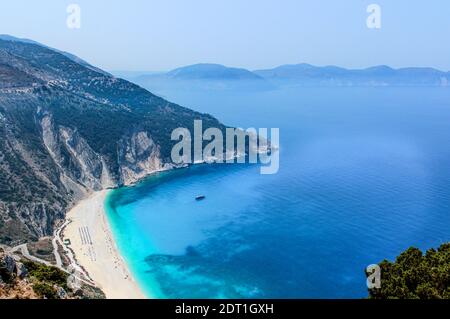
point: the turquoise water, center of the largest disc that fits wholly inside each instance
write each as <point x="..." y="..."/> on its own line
<point x="364" y="174"/>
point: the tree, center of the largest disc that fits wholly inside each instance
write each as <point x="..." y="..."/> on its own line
<point x="414" y="275"/>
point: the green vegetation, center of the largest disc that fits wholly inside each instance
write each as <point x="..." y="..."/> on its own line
<point x="46" y="279"/>
<point x="45" y="290"/>
<point x="147" y="113"/>
<point x="47" y="274"/>
<point x="416" y="276"/>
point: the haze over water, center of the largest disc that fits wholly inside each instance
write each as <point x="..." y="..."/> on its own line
<point x="364" y="174"/>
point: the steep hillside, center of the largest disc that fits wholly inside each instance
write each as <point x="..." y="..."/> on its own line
<point x="66" y="129"/>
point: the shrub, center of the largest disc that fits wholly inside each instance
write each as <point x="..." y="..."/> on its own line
<point x="45" y="290"/>
<point x="47" y="274"/>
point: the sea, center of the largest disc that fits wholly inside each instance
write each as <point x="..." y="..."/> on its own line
<point x="364" y="174"/>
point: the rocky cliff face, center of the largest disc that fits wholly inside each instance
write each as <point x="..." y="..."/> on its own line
<point x="139" y="156"/>
<point x="67" y="130"/>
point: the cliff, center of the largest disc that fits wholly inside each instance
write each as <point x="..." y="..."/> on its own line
<point x="66" y="130"/>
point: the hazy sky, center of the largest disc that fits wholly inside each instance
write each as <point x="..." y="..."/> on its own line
<point x="145" y="35"/>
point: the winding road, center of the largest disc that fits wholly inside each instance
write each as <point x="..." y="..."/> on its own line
<point x="75" y="269"/>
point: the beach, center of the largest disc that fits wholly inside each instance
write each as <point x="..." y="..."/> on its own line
<point x="95" y="251"/>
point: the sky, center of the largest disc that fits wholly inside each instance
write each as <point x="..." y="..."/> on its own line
<point x="158" y="35"/>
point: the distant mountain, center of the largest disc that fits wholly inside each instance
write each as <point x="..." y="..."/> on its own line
<point x="204" y="75"/>
<point x="309" y="75"/>
<point x="216" y="76"/>
<point x="67" y="129"/>
<point x="206" y="71"/>
<point x="298" y="71"/>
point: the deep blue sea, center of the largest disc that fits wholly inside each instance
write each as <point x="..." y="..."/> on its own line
<point x="364" y="174"/>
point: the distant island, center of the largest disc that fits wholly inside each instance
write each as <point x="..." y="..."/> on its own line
<point x="203" y="75"/>
<point x="210" y="71"/>
<point x="292" y="75"/>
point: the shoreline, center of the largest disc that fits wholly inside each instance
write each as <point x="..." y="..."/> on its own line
<point x="95" y="250"/>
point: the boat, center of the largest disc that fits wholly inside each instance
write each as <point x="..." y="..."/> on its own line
<point x="200" y="197"/>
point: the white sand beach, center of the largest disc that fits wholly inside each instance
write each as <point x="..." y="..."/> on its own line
<point x="94" y="248"/>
